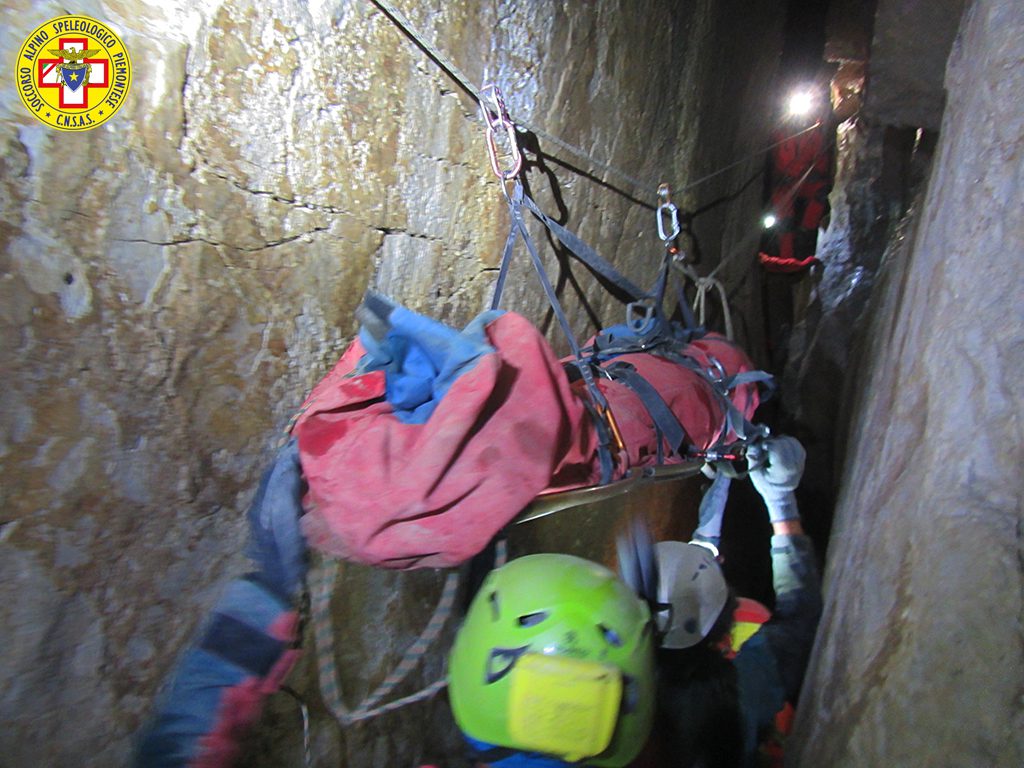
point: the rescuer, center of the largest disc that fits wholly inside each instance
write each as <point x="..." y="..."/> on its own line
<point x="799" y="180"/>
<point x="553" y="666"/>
<point x="729" y="672"/>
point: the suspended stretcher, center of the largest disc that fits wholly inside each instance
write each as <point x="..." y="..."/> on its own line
<point x="424" y="442"/>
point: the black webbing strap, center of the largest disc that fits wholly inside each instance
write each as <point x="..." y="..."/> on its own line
<point x="595" y="263"/>
<point x="684" y="306"/>
<point x="721" y="386"/>
<point x="658" y="292"/>
<point x="735" y="420"/>
<point x="506" y="259"/>
<point x="518" y="229"/>
<point x="664" y="419"/>
<point x="604" y="441"/>
<point x="585" y="253"/>
<point x="750" y="377"/>
<point x="516" y="209"/>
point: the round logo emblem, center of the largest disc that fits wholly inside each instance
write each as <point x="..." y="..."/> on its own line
<point x="73" y="73"/>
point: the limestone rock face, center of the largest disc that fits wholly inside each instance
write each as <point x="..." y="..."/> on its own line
<point x="173" y="283"/>
<point x="920" y="656"/>
<point x="908" y="60"/>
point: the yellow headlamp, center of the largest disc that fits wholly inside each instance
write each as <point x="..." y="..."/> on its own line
<point x="563" y="706"/>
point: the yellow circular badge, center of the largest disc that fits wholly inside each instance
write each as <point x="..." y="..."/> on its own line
<point x="73" y="73"/>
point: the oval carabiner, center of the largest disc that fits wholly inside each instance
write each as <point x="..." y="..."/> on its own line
<point x="492" y="152"/>
<point x="495" y="117"/>
<point x="673" y="214"/>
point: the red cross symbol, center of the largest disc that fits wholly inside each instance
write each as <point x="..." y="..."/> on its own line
<point x="48" y="77"/>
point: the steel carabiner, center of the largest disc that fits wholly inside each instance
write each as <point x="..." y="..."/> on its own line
<point x="492" y="152"/>
<point x="673" y="217"/>
<point x="495" y="116"/>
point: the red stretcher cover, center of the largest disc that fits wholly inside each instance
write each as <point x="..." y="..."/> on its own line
<point x="395" y="494"/>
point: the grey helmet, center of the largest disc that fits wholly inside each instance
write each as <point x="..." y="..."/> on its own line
<point x="691" y="592"/>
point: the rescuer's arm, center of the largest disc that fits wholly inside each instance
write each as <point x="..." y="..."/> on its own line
<point x="245" y="648"/>
<point x="790" y="632"/>
<point x="712" y="508"/>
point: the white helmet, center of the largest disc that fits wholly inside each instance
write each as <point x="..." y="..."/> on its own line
<point x="691" y="583"/>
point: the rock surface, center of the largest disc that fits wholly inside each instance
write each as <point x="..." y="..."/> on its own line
<point x="908" y="60"/>
<point x="920" y="656"/>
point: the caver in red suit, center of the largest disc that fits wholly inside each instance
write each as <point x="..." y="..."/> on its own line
<point x="800" y="178"/>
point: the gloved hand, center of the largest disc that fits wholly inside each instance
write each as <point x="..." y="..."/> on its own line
<point x="775" y="470"/>
<point x="277" y="543"/>
<point x="712" y="509"/>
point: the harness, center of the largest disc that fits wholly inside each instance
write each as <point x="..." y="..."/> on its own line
<point x="646" y="330"/>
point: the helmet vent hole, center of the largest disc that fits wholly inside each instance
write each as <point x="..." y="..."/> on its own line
<point x="532" y="619"/>
<point x="610" y="635"/>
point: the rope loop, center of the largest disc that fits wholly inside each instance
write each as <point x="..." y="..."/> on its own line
<point x="704" y="286"/>
<point x="322" y="583"/>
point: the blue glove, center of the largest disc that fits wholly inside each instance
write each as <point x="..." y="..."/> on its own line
<point x="277" y="544"/>
<point x="775" y="470"/>
<point x="712" y="509"/>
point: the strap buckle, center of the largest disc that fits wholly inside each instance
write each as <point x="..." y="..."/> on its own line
<point x="640" y="316"/>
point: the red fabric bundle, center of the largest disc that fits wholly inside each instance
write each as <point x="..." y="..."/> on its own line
<point x="404" y="495"/>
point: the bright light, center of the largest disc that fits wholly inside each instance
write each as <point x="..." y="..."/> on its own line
<point x="769" y="221"/>
<point x="800" y="103"/>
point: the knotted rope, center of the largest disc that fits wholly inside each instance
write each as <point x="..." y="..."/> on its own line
<point x="322" y="582"/>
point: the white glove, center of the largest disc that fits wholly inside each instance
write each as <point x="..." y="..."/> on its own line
<point x="778" y="475"/>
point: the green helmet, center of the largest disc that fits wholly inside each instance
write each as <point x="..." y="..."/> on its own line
<point x="555" y="655"/>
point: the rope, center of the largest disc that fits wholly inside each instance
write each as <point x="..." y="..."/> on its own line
<point x="446" y="64"/>
<point x="307" y="754"/>
<point x="751" y="156"/>
<point x="403" y="23"/>
<point x="321" y="584"/>
<point x="704" y="286"/>
<point x="460" y="77"/>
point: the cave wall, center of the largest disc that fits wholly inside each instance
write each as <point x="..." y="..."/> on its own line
<point x="908" y="60"/>
<point x="175" y="281"/>
<point x="920" y="653"/>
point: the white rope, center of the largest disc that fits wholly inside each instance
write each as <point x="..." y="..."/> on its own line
<point x="706" y="285"/>
<point x="322" y="580"/>
<point x="307" y="754"/>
